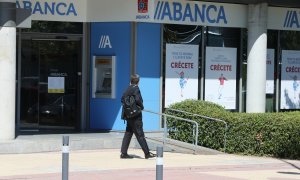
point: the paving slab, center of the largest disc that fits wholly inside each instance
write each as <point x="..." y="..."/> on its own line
<point x="106" y="164"/>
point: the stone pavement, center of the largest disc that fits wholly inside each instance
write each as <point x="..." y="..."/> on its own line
<point x="105" y="164"/>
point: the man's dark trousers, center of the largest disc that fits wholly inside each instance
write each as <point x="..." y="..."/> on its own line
<point x="134" y="126"/>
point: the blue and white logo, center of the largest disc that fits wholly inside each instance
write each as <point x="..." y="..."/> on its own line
<point x="292" y="20"/>
<point x="104" y="42"/>
<point x="176" y="11"/>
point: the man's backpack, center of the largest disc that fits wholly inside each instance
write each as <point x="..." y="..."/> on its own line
<point x="131" y="109"/>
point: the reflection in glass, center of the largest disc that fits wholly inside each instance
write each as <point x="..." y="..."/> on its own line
<point x="55" y="27"/>
<point x="223" y="37"/>
<point x="182" y="34"/>
<point x="290" y="40"/>
<point x="42" y="59"/>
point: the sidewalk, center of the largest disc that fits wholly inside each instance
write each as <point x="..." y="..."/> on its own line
<point x="105" y="164"/>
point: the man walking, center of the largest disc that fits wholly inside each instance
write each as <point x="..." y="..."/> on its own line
<point x="134" y="124"/>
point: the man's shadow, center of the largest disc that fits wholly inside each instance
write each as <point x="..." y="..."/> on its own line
<point x="136" y="156"/>
<point x="295" y="166"/>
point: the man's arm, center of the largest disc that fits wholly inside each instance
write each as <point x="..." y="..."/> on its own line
<point x="124" y="95"/>
<point x="138" y="98"/>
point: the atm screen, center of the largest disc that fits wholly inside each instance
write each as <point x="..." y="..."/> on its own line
<point x="106" y="85"/>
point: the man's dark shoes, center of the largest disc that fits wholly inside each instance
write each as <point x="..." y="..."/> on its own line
<point x="150" y="155"/>
<point x="125" y="156"/>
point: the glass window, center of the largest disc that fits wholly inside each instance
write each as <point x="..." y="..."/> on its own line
<point x="55" y="27"/>
<point x="214" y="37"/>
<point x="271" y="70"/>
<point x="182" y="34"/>
<point x="50" y="65"/>
<point x="289" y="74"/>
<point x="244" y="36"/>
<point x="223" y="37"/>
<point x="290" y="40"/>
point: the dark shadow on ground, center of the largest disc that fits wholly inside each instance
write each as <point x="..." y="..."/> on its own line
<point x="291" y="173"/>
<point x="293" y="165"/>
<point x="58" y="131"/>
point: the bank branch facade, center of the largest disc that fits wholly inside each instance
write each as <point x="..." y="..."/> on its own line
<point x="66" y="65"/>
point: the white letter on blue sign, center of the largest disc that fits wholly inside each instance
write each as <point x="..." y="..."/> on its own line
<point x="104" y="41"/>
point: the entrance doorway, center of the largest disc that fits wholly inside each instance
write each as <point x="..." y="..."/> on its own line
<point x="50" y="82"/>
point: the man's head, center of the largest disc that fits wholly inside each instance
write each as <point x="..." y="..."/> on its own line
<point x="134" y="79"/>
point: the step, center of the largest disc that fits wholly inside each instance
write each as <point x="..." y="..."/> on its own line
<point x="94" y="141"/>
<point x="172" y="145"/>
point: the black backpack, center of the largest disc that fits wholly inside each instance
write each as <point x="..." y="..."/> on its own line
<point x="131" y="109"/>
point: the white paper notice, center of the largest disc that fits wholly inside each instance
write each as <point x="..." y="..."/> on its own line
<point x="56" y="84"/>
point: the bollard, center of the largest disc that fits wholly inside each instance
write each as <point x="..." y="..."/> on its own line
<point x="65" y="158"/>
<point x="159" y="163"/>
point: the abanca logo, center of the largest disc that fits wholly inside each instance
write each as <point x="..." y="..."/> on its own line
<point x="104" y="42"/>
<point x="142" y="9"/>
<point x="48" y="7"/>
<point x="176" y="11"/>
<point x="291" y="19"/>
<point x="143" y="6"/>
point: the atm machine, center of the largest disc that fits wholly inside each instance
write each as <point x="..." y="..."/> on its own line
<point x="104" y="77"/>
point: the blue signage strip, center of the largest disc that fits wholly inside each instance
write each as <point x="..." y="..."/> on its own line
<point x="148" y="66"/>
<point x="110" y="39"/>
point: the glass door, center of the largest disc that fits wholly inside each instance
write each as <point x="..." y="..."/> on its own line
<point x="50" y="83"/>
